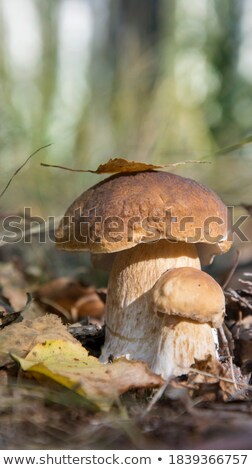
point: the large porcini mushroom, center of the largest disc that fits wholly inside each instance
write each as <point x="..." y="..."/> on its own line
<point x="153" y="221"/>
<point x="191" y="303"/>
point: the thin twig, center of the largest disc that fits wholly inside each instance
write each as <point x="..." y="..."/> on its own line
<point x="156" y="397"/>
<point x="230" y="148"/>
<point x="22" y="166"/>
<point x="230" y="358"/>
<point x="232" y="270"/>
<point x="238" y="298"/>
<point x="67" y="168"/>
<point x="242" y="281"/>
<point x="221" y="329"/>
<point x="218" y="377"/>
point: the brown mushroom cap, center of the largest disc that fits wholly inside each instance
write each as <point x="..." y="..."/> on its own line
<point x="189" y="293"/>
<point x="130" y="208"/>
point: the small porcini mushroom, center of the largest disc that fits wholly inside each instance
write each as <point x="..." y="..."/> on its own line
<point x="191" y="303"/>
<point x="138" y="217"/>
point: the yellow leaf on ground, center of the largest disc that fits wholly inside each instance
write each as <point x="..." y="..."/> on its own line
<point x="20" y="338"/>
<point x="70" y="365"/>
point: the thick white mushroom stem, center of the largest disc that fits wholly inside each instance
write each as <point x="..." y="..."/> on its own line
<point x="132" y="327"/>
<point x="181" y="342"/>
<point x="191" y="304"/>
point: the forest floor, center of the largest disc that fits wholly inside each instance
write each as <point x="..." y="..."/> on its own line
<point x="210" y="408"/>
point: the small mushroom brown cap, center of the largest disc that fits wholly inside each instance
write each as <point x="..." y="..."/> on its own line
<point x="191" y="294"/>
<point x="131" y="208"/>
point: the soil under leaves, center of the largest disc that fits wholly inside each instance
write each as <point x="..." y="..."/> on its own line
<point x="204" y="410"/>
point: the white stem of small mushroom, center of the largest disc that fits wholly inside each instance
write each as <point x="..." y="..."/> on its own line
<point x="132" y="327"/>
<point x="181" y="342"/>
<point x="216" y="342"/>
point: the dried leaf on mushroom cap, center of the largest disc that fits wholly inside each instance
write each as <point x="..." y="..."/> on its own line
<point x="121" y="165"/>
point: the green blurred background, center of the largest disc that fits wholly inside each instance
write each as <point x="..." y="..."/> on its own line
<point x="151" y="80"/>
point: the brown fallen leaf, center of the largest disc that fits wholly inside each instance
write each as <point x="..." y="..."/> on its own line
<point x="7" y="315"/>
<point x="88" y="306"/>
<point x="20" y="338"/>
<point x="13" y="285"/>
<point x="211" y="388"/>
<point x="68" y="297"/>
<point x="121" y="165"/>
<point x="69" y="365"/>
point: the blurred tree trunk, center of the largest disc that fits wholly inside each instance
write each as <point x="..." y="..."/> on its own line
<point x="133" y="40"/>
<point x="123" y="71"/>
<point x="49" y="22"/>
<point x="133" y="21"/>
<point x="223" y="50"/>
<point x="129" y="68"/>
